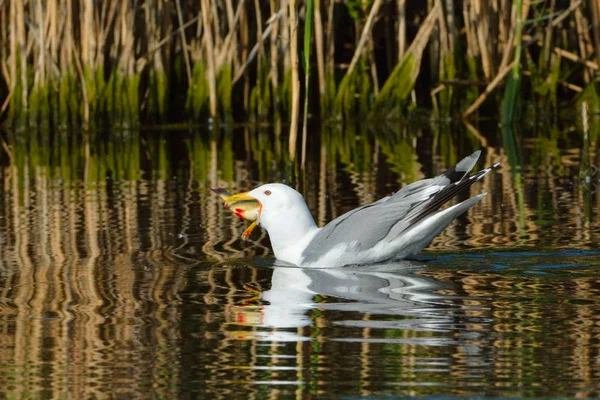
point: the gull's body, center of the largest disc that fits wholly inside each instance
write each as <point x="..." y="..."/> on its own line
<point x="394" y="227"/>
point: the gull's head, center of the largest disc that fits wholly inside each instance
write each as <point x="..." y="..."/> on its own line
<point x="277" y="202"/>
<point x="277" y="208"/>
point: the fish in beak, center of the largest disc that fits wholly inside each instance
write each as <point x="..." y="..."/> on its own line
<point x="244" y="206"/>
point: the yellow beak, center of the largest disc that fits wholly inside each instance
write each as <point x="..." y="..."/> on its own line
<point x="244" y="206"/>
<point x="239" y="198"/>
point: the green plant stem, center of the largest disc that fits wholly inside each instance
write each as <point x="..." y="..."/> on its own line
<point x="308" y="28"/>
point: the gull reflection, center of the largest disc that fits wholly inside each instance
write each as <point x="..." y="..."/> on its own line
<point x="393" y="296"/>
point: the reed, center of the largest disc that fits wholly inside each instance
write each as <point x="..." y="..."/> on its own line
<point x="72" y="62"/>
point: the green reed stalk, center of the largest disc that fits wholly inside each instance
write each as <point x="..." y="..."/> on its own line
<point x="308" y="28"/>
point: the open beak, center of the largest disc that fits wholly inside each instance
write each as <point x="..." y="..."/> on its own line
<point x="233" y="199"/>
<point x="244" y="206"/>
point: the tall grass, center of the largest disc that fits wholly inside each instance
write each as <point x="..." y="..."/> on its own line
<point x="67" y="62"/>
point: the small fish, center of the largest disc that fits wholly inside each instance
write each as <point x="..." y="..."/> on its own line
<point x="243" y="207"/>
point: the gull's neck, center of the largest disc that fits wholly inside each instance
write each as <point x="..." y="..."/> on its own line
<point x="290" y="232"/>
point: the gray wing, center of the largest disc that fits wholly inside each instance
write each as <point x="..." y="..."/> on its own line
<point x="368" y="225"/>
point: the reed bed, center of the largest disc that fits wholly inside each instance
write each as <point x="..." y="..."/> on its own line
<point x="73" y="62"/>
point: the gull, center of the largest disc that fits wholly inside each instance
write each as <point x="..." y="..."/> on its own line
<point x="392" y="228"/>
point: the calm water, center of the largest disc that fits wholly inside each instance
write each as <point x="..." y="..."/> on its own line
<point x="122" y="276"/>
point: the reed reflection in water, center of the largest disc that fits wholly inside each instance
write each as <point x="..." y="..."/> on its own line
<point x="122" y="275"/>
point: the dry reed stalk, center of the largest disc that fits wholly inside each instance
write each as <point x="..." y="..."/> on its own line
<point x="127" y="61"/>
<point x="364" y="35"/>
<point x="12" y="50"/>
<point x="470" y="35"/>
<point x="231" y="37"/>
<point x="52" y="29"/>
<point x="293" y="48"/>
<point x="284" y="30"/>
<point x="216" y="33"/>
<point x="582" y="40"/>
<point x="546" y="52"/>
<point x="40" y="71"/>
<point x="104" y="28"/>
<point x="274" y="52"/>
<point x="444" y="38"/>
<point x="244" y="56"/>
<point x="21" y="38"/>
<point x="330" y="61"/>
<point x="319" y="46"/>
<point x="401" y="81"/>
<point x="210" y="61"/>
<point x="480" y="20"/>
<point x="504" y="25"/>
<point x="373" y="63"/>
<point x="595" y="11"/>
<point x="451" y="25"/>
<point x="573" y="57"/>
<point x="492" y="85"/>
<point x="225" y="54"/>
<point x="87" y="36"/>
<point x="259" y="31"/>
<point x="186" y="56"/>
<point x="67" y="50"/>
<point x="508" y="45"/>
<point x="256" y="48"/>
<point x="401" y="4"/>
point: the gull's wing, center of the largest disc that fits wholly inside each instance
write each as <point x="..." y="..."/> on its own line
<point x="366" y="226"/>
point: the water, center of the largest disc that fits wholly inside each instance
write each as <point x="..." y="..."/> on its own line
<point x="121" y="275"/>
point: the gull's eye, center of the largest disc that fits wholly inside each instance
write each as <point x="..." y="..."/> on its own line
<point x="267" y="192"/>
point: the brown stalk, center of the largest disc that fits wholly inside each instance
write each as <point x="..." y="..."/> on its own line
<point x="51" y="30"/>
<point x="244" y="55"/>
<point x="293" y="25"/>
<point x="470" y="36"/>
<point x="87" y="36"/>
<point x="186" y="56"/>
<point x="595" y="9"/>
<point x="401" y="28"/>
<point x="230" y="41"/>
<point x="330" y="62"/>
<point x="274" y="49"/>
<point x="40" y="71"/>
<point x="256" y="48"/>
<point x="319" y="45"/>
<point x="231" y="33"/>
<point x="503" y="72"/>
<point x="373" y="63"/>
<point x="450" y="24"/>
<point x="12" y="71"/>
<point x="443" y="36"/>
<point x="366" y="32"/>
<point x="574" y="5"/>
<point x="68" y="50"/>
<point x="548" y="35"/>
<point x="259" y="40"/>
<point x="582" y="41"/>
<point x="216" y="34"/>
<point x="22" y="41"/>
<point x="573" y="57"/>
<point x="210" y="61"/>
<point x="480" y="21"/>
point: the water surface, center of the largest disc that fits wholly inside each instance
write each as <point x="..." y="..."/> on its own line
<point x="121" y="275"/>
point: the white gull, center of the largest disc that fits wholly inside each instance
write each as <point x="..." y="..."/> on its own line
<point x="391" y="228"/>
